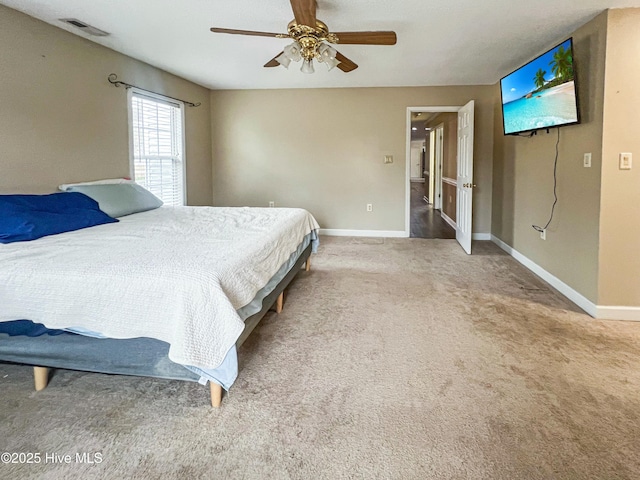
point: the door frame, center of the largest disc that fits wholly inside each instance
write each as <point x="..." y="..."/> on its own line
<point x="437" y="166"/>
<point x="407" y="182"/>
<point x="432" y="163"/>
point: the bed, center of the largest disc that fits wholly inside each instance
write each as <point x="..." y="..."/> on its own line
<point x="169" y="293"/>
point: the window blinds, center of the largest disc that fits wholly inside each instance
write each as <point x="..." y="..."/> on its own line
<point x="158" y="163"/>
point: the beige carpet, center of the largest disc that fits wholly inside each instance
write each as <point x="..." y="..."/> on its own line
<point x="393" y="359"/>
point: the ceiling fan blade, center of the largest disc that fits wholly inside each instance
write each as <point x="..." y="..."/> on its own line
<point x="273" y="62"/>
<point x="345" y="64"/>
<point x="243" y="32"/>
<point x="366" y="38"/>
<point x="305" y="12"/>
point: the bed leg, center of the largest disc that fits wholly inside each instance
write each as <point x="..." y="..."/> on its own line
<point x="41" y="377"/>
<point x="216" y="394"/>
<point x="307" y="264"/>
<point x="279" y="302"/>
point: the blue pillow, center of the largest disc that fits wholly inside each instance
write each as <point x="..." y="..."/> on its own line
<point x="27" y="217"/>
<point x="120" y="199"/>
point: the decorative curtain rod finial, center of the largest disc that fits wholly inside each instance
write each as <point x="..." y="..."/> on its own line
<point x="113" y="79"/>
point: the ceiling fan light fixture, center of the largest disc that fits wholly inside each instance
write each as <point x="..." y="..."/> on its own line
<point x="326" y="52"/>
<point x="311" y="36"/>
<point x="307" y="67"/>
<point x="293" y="52"/>
<point x="283" y="60"/>
<point x="331" y="63"/>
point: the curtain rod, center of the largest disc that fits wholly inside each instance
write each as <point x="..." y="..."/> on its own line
<point x="113" y="79"/>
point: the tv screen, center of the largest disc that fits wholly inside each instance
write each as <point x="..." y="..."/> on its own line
<point x="542" y="93"/>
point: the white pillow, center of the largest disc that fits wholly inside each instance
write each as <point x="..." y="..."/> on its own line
<point x="66" y="186"/>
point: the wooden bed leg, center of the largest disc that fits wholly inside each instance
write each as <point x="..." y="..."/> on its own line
<point x="279" y="302"/>
<point x="216" y="394"/>
<point x="41" y="377"/>
<point x="307" y="265"/>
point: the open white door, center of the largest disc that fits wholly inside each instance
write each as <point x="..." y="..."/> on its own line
<point x="464" y="199"/>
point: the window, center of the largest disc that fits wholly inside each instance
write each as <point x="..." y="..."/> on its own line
<point x="157" y="150"/>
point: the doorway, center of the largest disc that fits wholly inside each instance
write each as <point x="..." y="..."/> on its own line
<point x="427" y="216"/>
<point x="448" y="170"/>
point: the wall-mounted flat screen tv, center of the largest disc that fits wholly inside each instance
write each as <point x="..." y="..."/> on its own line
<point x="541" y="94"/>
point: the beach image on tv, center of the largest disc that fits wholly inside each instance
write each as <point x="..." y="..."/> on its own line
<point x="542" y="93"/>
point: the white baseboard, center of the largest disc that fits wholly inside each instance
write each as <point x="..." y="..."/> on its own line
<point x="337" y="232"/>
<point x="417" y="179"/>
<point x="577" y="298"/>
<point x="481" y="236"/>
<point x="618" y="313"/>
<point x="446" y="218"/>
<point x="596" y="311"/>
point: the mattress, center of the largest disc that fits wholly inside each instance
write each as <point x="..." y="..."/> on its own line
<point x="23" y="341"/>
<point x="183" y="275"/>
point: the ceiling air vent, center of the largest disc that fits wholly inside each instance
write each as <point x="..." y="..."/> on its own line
<point x="85" y="27"/>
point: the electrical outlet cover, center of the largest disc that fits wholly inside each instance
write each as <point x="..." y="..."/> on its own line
<point x="625" y="161"/>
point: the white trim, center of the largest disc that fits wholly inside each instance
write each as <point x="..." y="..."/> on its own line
<point x="407" y="183"/>
<point x="603" y="312"/>
<point x="339" y="232"/>
<point x="437" y="166"/>
<point x="130" y="131"/>
<point x="577" y="298"/>
<point x="450" y="181"/>
<point x="618" y="313"/>
<point x="417" y="179"/>
<point x="446" y="218"/>
<point x="481" y="236"/>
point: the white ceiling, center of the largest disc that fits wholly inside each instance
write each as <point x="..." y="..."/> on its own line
<point x="440" y="42"/>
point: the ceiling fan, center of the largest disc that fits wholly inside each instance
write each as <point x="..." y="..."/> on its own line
<point x="309" y="36"/>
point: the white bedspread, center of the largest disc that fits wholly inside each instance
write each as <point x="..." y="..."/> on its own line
<point x="177" y="274"/>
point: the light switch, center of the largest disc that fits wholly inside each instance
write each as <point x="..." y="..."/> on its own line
<point x="388" y="159"/>
<point x="587" y="160"/>
<point x="625" y="161"/>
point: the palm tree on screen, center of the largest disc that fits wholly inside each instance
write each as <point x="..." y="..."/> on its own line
<point x="562" y="64"/>
<point x="539" y="78"/>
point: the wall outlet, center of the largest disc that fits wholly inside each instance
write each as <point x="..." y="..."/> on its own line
<point x="543" y="234"/>
<point x="625" y="161"/>
<point x="587" y="160"/>
<point x="272" y="203"/>
<point x="388" y="159"/>
<point x="369" y="207"/>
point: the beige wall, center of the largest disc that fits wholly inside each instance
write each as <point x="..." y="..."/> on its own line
<point x="61" y="121"/>
<point x="322" y="149"/>
<point x="619" y="274"/>
<point x="523" y="178"/>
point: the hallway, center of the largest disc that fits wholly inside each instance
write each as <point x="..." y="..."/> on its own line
<point x="425" y="221"/>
